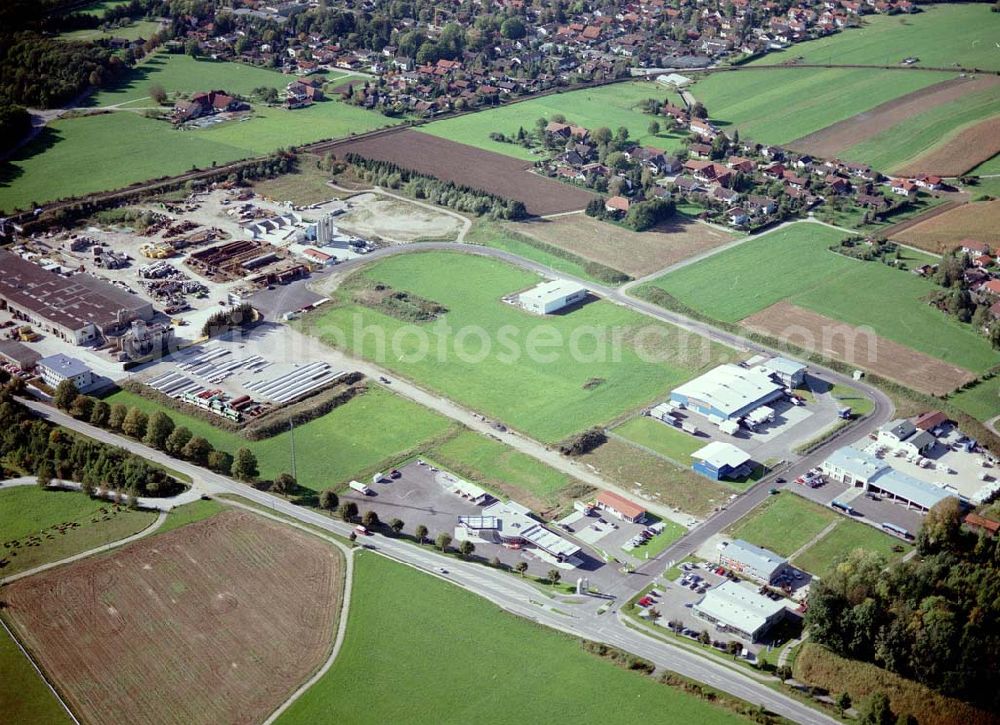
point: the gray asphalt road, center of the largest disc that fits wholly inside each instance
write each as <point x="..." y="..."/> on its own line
<point x="504" y="590"/>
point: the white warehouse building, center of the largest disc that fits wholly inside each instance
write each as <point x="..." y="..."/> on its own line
<point x="736" y="608"/>
<point x="549" y="297"/>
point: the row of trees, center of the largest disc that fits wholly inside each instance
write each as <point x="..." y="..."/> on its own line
<point x="232" y="318"/>
<point x="30" y="444"/>
<point x="641" y="215"/>
<point x="934" y="619"/>
<point x="436" y="191"/>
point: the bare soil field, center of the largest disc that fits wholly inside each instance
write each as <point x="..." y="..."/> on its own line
<point x="838" y="341"/>
<point x="497" y="174"/>
<point x="636" y="253"/>
<point x="397" y="221"/>
<point x="977" y="220"/>
<point x="218" y="621"/>
<point x="830" y="141"/>
<point x="965" y="150"/>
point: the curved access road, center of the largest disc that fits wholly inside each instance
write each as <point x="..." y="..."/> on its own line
<point x="503" y="589"/>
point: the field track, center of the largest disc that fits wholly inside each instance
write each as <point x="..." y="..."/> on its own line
<point x="504" y="176"/>
<point x="832" y="140"/>
<point x="216" y="624"/>
<point x="841" y="341"/>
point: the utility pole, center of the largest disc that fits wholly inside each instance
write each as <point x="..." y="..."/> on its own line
<point x="291" y="433"/>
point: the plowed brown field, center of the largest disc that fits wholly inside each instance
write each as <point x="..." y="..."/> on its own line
<point x="504" y="176"/>
<point x="840" y="341"/>
<point x="979" y="220"/>
<point x="215" y="622"/>
<point x="636" y="253"/>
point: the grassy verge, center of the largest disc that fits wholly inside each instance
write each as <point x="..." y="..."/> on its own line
<point x="24" y="697"/>
<point x="784" y="523"/>
<point x="190" y="513"/>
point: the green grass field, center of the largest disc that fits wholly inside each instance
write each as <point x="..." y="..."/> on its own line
<point x="671" y="532"/>
<point x="99" y="8"/>
<point x="28" y="510"/>
<point x="784" y="523"/>
<point x="75" y="156"/>
<point x="847" y="395"/>
<point x="778" y="106"/>
<point x="988" y="168"/>
<point x="24" y="697"/>
<point x="132" y="31"/>
<point x="847" y="536"/>
<point x="981" y="402"/>
<point x="906" y="141"/>
<point x="611" y="106"/>
<point x="442" y="655"/>
<point x="548" y="377"/>
<point x="941" y="36"/>
<point x="802" y="270"/>
<point x="190" y="513"/>
<point x="498" y="465"/>
<point x="661" y="438"/>
<point x="346" y="442"/>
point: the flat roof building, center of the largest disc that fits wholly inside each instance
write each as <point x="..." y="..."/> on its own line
<point x="57" y="368"/>
<point x="78" y="309"/>
<point x="720" y="460"/>
<point x="727" y="392"/>
<point x="621" y="507"/>
<point x="752" y="561"/>
<point x="734" y="607"/>
<point x="789" y="373"/>
<point x="860" y="469"/>
<point x="549" y="297"/>
<point x="15" y="353"/>
<point x="510" y="523"/>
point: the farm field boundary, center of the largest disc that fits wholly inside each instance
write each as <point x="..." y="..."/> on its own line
<point x="789" y="323"/>
<point x="830" y="141"/>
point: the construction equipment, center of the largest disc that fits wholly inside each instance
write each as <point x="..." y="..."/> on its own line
<point x="26" y="334"/>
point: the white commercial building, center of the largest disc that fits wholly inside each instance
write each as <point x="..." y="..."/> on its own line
<point x="57" y="368"/>
<point x="549" y="297"/>
<point x="752" y="561"/>
<point x="789" y="373"/>
<point x="727" y="392"/>
<point x="720" y="460"/>
<point x="857" y="468"/>
<point x="902" y="435"/>
<point x="509" y="523"/>
<point x="736" y="608"/>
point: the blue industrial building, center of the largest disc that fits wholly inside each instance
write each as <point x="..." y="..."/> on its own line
<point x="720" y="460"/>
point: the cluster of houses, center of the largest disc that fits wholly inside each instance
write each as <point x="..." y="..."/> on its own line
<point x="206" y="103"/>
<point x="555" y="48"/>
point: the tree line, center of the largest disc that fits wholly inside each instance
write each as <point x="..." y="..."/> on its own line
<point x="934" y="619"/>
<point x="443" y="193"/>
<point x="35" y="446"/>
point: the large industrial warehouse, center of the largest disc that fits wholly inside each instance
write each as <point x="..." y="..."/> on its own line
<point x="858" y="468"/>
<point x="728" y="392"/>
<point x="78" y="309"/>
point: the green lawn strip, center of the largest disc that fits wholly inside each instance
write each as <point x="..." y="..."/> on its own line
<point x="846" y="395"/>
<point x="940" y="36"/>
<point x="610" y="106"/>
<point x="671" y="532"/>
<point x="452" y="635"/>
<point x="24" y="696"/>
<point x="784" y="523"/>
<point x="661" y="438"/>
<point x="847" y="536"/>
<point x="190" y="513"/>
<point x="802" y="270"/>
<point x="778" y="106"/>
<point x="100" y="7"/>
<point x="27" y="512"/>
<point x="981" y="401"/>
<point x="548" y="391"/>
<point x="987" y="168"/>
<point x="346" y="442"/>
<point x="904" y="142"/>
<point x="498" y="465"/>
<point x="491" y="234"/>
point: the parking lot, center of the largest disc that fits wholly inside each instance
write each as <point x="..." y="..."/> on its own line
<point x="420" y="495"/>
<point x="874" y="511"/>
<point x="611" y="535"/>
